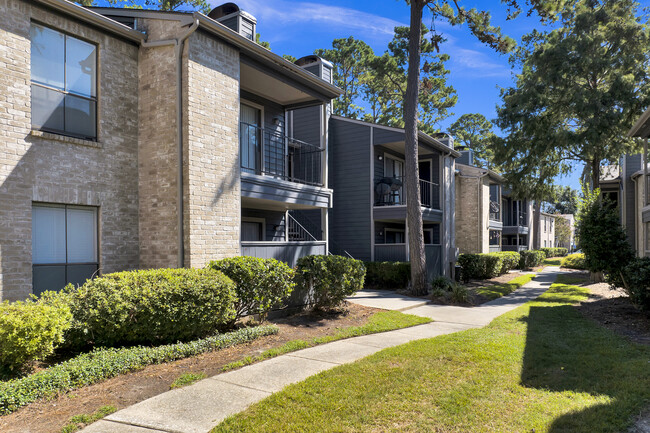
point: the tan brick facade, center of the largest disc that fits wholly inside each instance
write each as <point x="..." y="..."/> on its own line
<point x="472" y="214"/>
<point x="40" y="167"/>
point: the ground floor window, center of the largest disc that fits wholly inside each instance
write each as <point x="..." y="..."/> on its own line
<point x="394" y="236"/>
<point x="495" y="238"/>
<point x="432" y="234"/>
<point x="252" y="229"/>
<point x="64" y="245"/>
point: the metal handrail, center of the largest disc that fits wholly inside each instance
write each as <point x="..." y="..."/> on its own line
<point x="270" y="153"/>
<point x="298" y="228"/>
<point x="391" y="191"/>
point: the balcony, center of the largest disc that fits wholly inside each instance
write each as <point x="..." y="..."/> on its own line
<point x="516" y="248"/>
<point x="390" y="200"/>
<point x="275" y="167"/>
<point x="516" y="223"/>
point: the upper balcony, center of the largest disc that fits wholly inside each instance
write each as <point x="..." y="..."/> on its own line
<point x="390" y="199"/>
<point x="515" y="222"/>
<point x="278" y="168"/>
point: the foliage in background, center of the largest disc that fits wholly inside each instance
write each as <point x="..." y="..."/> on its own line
<point x="637" y="277"/>
<point x="489" y="265"/>
<point x="581" y="87"/>
<point x="531" y="259"/>
<point x="261" y="284"/>
<point x="554" y="252"/>
<point x="562" y="231"/>
<point x="148" y="307"/>
<point x="474" y="132"/>
<point x="162" y="5"/>
<point x="102" y="364"/>
<point x="564" y="200"/>
<point x="574" y="261"/>
<point x="330" y="279"/>
<point x="387" y="275"/>
<point x="30" y="331"/>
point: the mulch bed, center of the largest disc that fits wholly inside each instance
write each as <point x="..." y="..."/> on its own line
<point x="126" y="390"/>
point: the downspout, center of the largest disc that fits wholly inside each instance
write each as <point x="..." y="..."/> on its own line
<point x="178" y="52"/>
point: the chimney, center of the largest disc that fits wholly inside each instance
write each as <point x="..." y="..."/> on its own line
<point x="317" y="66"/>
<point x="236" y="19"/>
<point x="466" y="157"/>
<point x="445" y="139"/>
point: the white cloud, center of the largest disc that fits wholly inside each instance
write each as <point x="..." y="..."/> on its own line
<point x="284" y="12"/>
<point x="477" y="62"/>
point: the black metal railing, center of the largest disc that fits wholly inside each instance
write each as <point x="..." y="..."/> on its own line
<point x="516" y="219"/>
<point x="270" y="153"/>
<point x="391" y="191"/>
<point x="495" y="210"/>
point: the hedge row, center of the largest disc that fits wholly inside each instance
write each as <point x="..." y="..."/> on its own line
<point x="531" y="259"/>
<point x="637" y="278"/>
<point x="387" y="275"/>
<point x="574" y="261"/>
<point x="490" y="265"/>
<point x="102" y="364"/>
<point x="555" y="252"/>
<point x="330" y="279"/>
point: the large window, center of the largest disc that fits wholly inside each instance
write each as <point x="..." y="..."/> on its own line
<point x="64" y="245"/>
<point x="64" y="83"/>
<point x="251" y="138"/>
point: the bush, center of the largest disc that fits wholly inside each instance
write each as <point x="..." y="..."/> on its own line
<point x="387" y="275"/>
<point x="531" y="259"/>
<point x="484" y="266"/>
<point x="637" y="278"/>
<point x="150" y="307"/>
<point x="440" y="285"/>
<point x="330" y="279"/>
<point x="30" y="331"/>
<point x="554" y="252"/>
<point x="459" y="294"/>
<point x="574" y="261"/>
<point x="261" y="283"/>
<point x="102" y="364"/>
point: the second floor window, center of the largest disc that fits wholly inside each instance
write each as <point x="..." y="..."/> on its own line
<point x="64" y="83"/>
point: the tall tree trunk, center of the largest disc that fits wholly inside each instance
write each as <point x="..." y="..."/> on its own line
<point x="413" y="206"/>
<point x="595" y="173"/>
<point x="537" y="216"/>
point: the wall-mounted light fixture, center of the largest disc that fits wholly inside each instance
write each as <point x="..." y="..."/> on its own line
<point x="381" y="157"/>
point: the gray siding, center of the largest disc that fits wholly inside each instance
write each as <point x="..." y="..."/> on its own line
<point x="306" y="125"/>
<point x="274" y="222"/>
<point x="382" y="136"/>
<point x="288" y="252"/>
<point x="231" y="23"/>
<point x="632" y="164"/>
<point x="349" y="168"/>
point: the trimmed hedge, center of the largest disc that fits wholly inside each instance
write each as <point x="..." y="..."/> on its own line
<point x="102" y="364"/>
<point x="30" y="331"/>
<point x="531" y="259"/>
<point x="637" y="278"/>
<point x="485" y="266"/>
<point x="149" y="307"/>
<point x="574" y="261"/>
<point x="387" y="275"/>
<point x="261" y="284"/>
<point x="555" y="252"/>
<point x="330" y="279"/>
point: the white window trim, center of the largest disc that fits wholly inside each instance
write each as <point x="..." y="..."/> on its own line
<point x="397" y="231"/>
<point x="253" y="220"/>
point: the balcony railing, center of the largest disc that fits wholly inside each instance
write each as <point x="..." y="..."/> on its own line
<point x="270" y="153"/>
<point x="391" y="191"/>
<point x="495" y="210"/>
<point x="516" y="219"/>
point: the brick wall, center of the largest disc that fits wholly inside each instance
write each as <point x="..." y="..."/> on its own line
<point x="467" y="214"/>
<point x="211" y="152"/>
<point x="52" y="168"/>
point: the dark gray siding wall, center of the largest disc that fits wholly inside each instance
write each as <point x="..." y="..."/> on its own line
<point x="382" y="136"/>
<point x="349" y="175"/>
<point x="306" y="125"/>
<point x="633" y="163"/>
<point x="274" y="222"/>
<point x="310" y="219"/>
<point x="274" y="131"/>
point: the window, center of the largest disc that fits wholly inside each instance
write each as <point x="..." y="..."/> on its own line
<point x="394" y="236"/>
<point x="495" y="238"/>
<point x="394" y="169"/>
<point x="432" y="235"/>
<point x="64" y="245"/>
<point x="251" y="138"/>
<point x="64" y="83"/>
<point x="252" y="229"/>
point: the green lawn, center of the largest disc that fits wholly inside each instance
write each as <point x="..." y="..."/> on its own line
<point x="553" y="261"/>
<point x="499" y="290"/>
<point x="539" y="368"/>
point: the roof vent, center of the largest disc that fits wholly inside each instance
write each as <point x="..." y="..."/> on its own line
<point x="466" y="157"/>
<point x="445" y="139"/>
<point x="235" y="19"/>
<point x="317" y="66"/>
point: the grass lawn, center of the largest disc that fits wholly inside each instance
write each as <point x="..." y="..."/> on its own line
<point x="553" y="261"/>
<point x="380" y="322"/>
<point x="540" y="368"/>
<point x="499" y="290"/>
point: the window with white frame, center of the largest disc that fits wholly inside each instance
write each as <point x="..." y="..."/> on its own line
<point x="64" y="245"/>
<point x="63" y="83"/>
<point x="394" y="236"/>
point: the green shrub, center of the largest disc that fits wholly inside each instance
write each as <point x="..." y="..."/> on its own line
<point x="470" y="266"/>
<point x="440" y="285"/>
<point x="554" y="252"/>
<point x="102" y="364"/>
<point x="330" y="279"/>
<point x="459" y="293"/>
<point x="561" y="252"/>
<point x="531" y="259"/>
<point x="574" y="261"/>
<point x="637" y="280"/>
<point x="510" y="260"/>
<point x="387" y="275"/>
<point x="261" y="283"/>
<point x="485" y="266"/>
<point x="30" y="331"/>
<point x="150" y="307"/>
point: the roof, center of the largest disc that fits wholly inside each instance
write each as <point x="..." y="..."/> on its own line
<point x="470" y="169"/>
<point x="91" y="17"/>
<point x="422" y="137"/>
<point x="247" y="46"/>
<point x="642" y="126"/>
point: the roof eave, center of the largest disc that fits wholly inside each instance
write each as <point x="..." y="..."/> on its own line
<point x="638" y="126"/>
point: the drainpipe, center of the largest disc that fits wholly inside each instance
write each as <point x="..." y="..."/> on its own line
<point x="178" y="44"/>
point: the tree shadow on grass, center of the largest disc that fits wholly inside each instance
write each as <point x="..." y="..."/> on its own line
<point x="565" y="352"/>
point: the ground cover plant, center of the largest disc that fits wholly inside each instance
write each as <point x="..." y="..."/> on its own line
<point x="186" y="379"/>
<point x="78" y="422"/>
<point x="381" y="322"/>
<point x="542" y="367"/>
<point x="104" y="363"/>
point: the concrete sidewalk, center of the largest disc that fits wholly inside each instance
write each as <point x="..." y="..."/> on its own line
<point x="200" y="407"/>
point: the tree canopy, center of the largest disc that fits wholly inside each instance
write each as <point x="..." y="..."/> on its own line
<point x="565" y="200"/>
<point x="474" y="131"/>
<point x="581" y="87"/>
<point x="162" y="5"/>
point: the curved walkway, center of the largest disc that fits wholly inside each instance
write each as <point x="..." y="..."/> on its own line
<point x="200" y="407"/>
